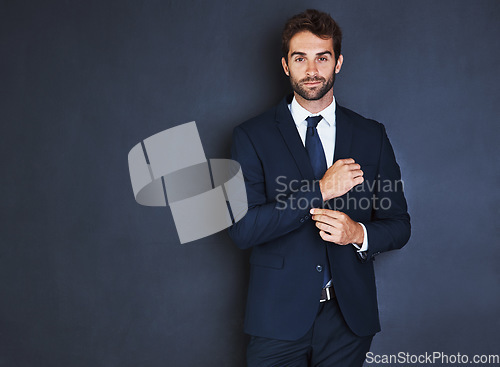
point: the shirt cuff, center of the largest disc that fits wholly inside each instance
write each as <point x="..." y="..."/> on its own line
<point x="364" y="245"/>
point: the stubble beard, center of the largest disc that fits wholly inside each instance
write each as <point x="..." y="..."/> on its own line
<point x="312" y="94"/>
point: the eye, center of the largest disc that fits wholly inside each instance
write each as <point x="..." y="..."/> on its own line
<point x="322" y="58"/>
<point x="299" y="59"/>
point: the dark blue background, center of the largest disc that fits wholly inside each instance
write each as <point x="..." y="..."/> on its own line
<point x="90" y="278"/>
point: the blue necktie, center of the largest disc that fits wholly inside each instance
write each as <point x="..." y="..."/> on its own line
<point x="318" y="161"/>
<point x="315" y="148"/>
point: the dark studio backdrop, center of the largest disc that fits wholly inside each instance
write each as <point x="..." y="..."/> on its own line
<point x="90" y="278"/>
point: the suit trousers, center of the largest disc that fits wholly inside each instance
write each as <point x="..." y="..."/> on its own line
<point x="328" y="343"/>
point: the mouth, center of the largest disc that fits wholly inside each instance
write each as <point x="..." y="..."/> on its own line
<point x="312" y="83"/>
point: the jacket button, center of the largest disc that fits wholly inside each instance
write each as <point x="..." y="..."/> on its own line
<point x="319" y="268"/>
<point x="301" y="220"/>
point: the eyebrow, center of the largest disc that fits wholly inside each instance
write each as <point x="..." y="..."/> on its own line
<point x="304" y="54"/>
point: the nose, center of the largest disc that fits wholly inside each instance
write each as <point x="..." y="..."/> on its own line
<point x="311" y="70"/>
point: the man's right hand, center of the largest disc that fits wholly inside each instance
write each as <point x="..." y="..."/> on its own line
<point x="341" y="177"/>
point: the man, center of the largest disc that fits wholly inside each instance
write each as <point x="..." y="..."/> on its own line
<point x="314" y="231"/>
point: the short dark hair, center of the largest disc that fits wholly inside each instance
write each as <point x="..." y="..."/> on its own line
<point x="319" y="23"/>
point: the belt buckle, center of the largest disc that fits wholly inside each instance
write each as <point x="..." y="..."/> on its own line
<point x="328" y="295"/>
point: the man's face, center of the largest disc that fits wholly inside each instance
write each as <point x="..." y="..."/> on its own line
<point x="311" y="66"/>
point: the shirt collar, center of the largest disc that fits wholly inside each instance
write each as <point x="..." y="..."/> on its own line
<point x="300" y="114"/>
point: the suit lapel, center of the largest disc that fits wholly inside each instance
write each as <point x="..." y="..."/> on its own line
<point x="288" y="130"/>
<point x="343" y="135"/>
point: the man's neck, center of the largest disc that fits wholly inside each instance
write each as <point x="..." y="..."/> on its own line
<point x="318" y="105"/>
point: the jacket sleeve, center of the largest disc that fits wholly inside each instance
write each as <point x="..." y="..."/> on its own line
<point x="267" y="219"/>
<point x="389" y="227"/>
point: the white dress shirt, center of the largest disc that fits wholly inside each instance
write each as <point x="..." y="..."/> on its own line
<point x="327" y="130"/>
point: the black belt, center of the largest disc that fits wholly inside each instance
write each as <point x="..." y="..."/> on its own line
<point x="327" y="294"/>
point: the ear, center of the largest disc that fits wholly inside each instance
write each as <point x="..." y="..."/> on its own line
<point x="285" y="66"/>
<point x="339" y="64"/>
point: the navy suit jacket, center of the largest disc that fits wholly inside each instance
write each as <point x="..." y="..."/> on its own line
<point x="285" y="279"/>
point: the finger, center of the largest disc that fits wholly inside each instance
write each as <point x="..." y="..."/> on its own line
<point x="324" y="227"/>
<point x="322" y="219"/>
<point x="331" y="230"/>
<point x="345" y="161"/>
<point x="330" y="227"/>
<point x="328" y="212"/>
<point x="330" y="222"/>
<point x="358" y="180"/>
<point x="326" y="237"/>
<point x="329" y="237"/>
<point x="337" y="221"/>
<point x="354" y="166"/>
<point x="357" y="173"/>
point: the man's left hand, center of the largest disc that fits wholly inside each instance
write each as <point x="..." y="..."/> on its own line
<point x="337" y="227"/>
